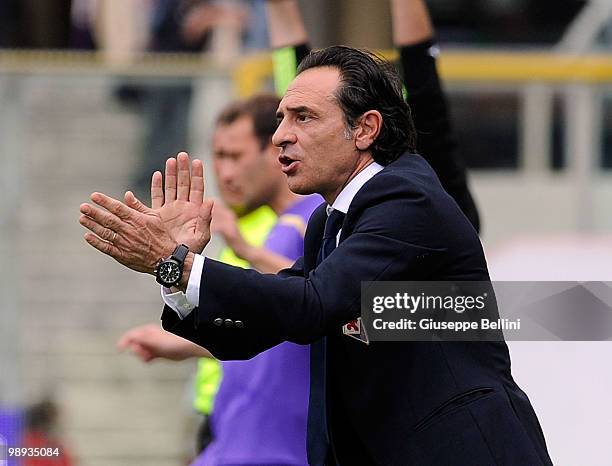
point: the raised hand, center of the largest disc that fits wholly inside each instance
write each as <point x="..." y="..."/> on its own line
<point x="181" y="205"/>
<point x="134" y="236"/>
<point x="138" y="236"/>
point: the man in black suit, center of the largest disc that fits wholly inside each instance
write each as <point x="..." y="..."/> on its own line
<point x="344" y="132"/>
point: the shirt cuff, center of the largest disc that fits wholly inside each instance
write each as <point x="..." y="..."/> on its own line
<point x="184" y="303"/>
<point x="195" y="278"/>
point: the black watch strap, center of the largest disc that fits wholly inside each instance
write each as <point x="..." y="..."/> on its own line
<point x="180" y="253"/>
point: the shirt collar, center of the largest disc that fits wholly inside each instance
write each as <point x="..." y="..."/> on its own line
<point x="344" y="199"/>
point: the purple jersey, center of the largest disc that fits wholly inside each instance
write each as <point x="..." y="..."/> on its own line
<point x="260" y="412"/>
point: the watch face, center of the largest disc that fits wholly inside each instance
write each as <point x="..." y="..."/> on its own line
<point x="169" y="272"/>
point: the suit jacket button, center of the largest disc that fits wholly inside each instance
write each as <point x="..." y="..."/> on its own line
<point x="218" y="322"/>
<point x="229" y="323"/>
<point x="239" y="324"/>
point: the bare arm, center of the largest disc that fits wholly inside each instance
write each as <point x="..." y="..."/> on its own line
<point x="225" y="223"/>
<point x="264" y="260"/>
<point x="285" y="24"/>
<point x="411" y="22"/>
<point x="150" y="342"/>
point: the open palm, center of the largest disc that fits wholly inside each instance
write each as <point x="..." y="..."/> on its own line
<point x="181" y="205"/>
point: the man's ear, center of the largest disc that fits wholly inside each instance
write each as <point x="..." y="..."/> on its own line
<point x="367" y="129"/>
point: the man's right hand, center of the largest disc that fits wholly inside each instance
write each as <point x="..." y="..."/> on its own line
<point x="180" y="203"/>
<point x="149" y="342"/>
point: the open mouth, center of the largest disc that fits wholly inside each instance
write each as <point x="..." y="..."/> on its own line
<point x="288" y="164"/>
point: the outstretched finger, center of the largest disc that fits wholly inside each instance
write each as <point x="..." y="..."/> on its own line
<point x="183" y="179"/>
<point x="103" y="246"/>
<point x="206" y="210"/>
<point x="114" y="206"/>
<point x="101" y="216"/>
<point x="157" y="191"/>
<point x="170" y="181"/>
<point x="135" y="203"/>
<point x="105" y="233"/>
<point x="196" y="193"/>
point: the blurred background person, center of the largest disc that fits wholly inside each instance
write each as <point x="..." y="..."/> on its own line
<point x="259" y="412"/>
<point x="41" y="425"/>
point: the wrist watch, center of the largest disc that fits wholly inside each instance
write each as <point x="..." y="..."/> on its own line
<point x="169" y="271"/>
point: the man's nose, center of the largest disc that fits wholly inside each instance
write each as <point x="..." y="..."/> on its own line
<point x="225" y="172"/>
<point x="283" y="135"/>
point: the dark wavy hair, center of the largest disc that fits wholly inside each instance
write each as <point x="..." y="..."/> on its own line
<point x="369" y="82"/>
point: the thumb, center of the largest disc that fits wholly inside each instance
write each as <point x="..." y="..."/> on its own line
<point x="203" y="223"/>
<point x="206" y="210"/>
<point x="134" y="203"/>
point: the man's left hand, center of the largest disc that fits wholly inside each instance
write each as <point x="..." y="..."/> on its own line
<point x="138" y="236"/>
<point x="135" y="237"/>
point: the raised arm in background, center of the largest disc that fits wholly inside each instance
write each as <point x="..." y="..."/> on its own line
<point x="413" y="35"/>
<point x="288" y="39"/>
<point x="149" y="342"/>
<point x="285" y="25"/>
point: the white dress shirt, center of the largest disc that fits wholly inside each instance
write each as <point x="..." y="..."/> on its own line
<point x="184" y="303"/>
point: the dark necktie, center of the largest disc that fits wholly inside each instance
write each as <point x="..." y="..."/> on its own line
<point x="318" y="435"/>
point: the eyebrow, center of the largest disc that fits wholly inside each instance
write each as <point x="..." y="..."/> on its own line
<point x="298" y="109"/>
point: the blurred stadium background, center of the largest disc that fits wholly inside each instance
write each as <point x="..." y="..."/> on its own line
<point x="531" y="95"/>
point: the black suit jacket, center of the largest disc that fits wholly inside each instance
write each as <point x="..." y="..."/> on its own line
<point x="404" y="403"/>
